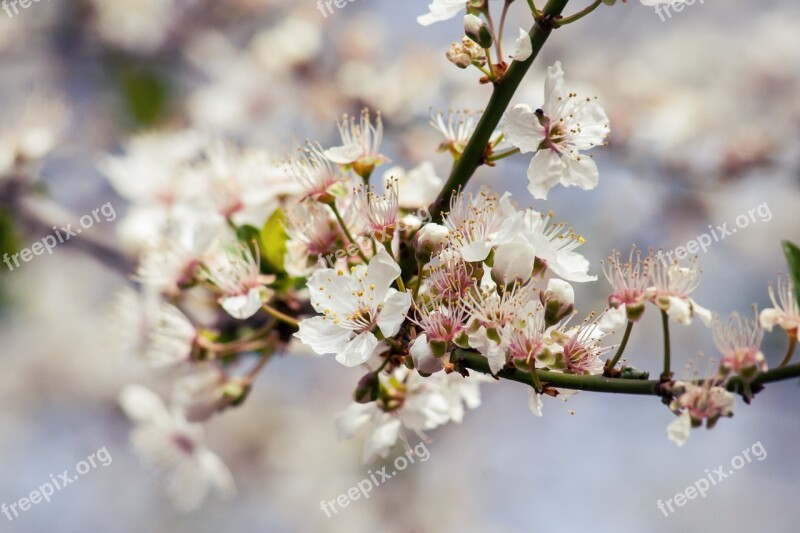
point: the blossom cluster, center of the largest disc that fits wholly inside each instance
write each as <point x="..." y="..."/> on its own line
<point x="235" y="245"/>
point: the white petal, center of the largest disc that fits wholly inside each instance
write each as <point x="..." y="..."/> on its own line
<point x="187" y="486"/>
<point x="382" y="439"/>
<point x="571" y="266"/>
<point x="475" y="251"/>
<point x="353" y="418"/>
<point x="423" y="357"/>
<point x="359" y="350"/>
<point x="323" y="335"/>
<point x="678" y="430"/>
<point x="242" y="306"/>
<point x="769" y="318"/>
<point x="522" y="129"/>
<point x="523" y="49"/>
<point x="514" y="260"/>
<point x="679" y="310"/>
<point x="143" y="405"/>
<point x="553" y="90"/>
<point x="702" y="312"/>
<point x="613" y="319"/>
<point x="382" y="271"/>
<point x="544" y="173"/>
<point x="580" y="171"/>
<point x="344" y="155"/>
<point x="535" y="403"/>
<point x="494" y="353"/>
<point x="394" y="313"/>
<point x="217" y="472"/>
<point x="562" y="290"/>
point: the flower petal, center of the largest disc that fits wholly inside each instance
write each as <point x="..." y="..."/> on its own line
<point x="394" y="313"/>
<point x="359" y="350"/>
<point x="322" y="335"/>
<point x="522" y="128"/>
<point x="523" y="49"/>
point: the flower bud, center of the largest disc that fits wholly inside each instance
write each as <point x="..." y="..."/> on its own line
<point x="558" y="301"/>
<point x="429" y="241"/>
<point x="458" y="56"/>
<point x="513" y="261"/>
<point x="367" y="388"/>
<point x="477" y="30"/>
<point x="425" y="359"/>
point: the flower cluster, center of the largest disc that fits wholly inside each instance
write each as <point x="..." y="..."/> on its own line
<point x="245" y="253"/>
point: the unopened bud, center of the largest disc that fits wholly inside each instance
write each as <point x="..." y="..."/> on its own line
<point x="477" y="30"/>
<point x="235" y="392"/>
<point x="558" y="300"/>
<point x="429" y="241"/>
<point x="367" y="388"/>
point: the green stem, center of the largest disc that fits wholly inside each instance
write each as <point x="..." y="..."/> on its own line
<point x="347" y="231"/>
<point x="667" y="374"/>
<point x="622" y="345"/>
<point x="534" y="9"/>
<point x="503" y="155"/>
<point x="579" y="15"/>
<point x="789" y="351"/>
<point x="281" y="316"/>
<point x="475" y="361"/>
<point x="492" y="75"/>
<point x="504" y="90"/>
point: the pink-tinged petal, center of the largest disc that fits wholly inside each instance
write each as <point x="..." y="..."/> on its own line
<point x="359" y="350"/>
<point x="393" y="313"/>
<point x="344" y="155"/>
<point x="522" y="129"/>
<point x="544" y="173"/>
<point x="322" y="335"/>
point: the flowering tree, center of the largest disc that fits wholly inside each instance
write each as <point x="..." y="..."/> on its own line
<point x="428" y="289"/>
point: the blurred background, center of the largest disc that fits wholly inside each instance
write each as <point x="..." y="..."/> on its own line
<point x="705" y="118"/>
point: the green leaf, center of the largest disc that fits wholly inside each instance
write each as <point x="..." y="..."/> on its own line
<point x="249" y="235"/>
<point x="792" y="253"/>
<point x="273" y="242"/>
<point x="146" y="95"/>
